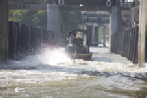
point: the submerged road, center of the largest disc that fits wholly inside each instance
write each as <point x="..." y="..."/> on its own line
<point x="53" y="75"/>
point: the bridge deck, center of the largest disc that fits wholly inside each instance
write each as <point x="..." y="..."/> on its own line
<point x="25" y="6"/>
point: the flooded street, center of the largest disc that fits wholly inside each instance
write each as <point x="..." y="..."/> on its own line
<point x="53" y="75"/>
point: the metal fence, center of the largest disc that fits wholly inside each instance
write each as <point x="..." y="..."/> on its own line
<point x="125" y="43"/>
<point x="24" y="39"/>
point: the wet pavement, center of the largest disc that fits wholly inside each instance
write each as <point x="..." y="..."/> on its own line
<point x="51" y="74"/>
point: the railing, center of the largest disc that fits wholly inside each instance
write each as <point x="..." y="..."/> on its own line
<point x="125" y="43"/>
<point x="24" y="39"/>
<point x="95" y="14"/>
<point x="127" y="4"/>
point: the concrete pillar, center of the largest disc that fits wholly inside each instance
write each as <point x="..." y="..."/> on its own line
<point x="96" y="35"/>
<point x="89" y="29"/>
<point x="104" y="37"/>
<point x="142" y="32"/>
<point x="93" y="35"/>
<point x="115" y="23"/>
<point x="53" y="21"/>
<point x="3" y="30"/>
<point x="136" y="3"/>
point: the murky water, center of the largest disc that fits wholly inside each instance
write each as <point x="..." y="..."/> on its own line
<point x="53" y="75"/>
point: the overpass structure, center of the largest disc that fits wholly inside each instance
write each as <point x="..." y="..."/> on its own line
<point x="57" y="7"/>
<point x="54" y="8"/>
<point x="93" y="20"/>
<point x="23" y="5"/>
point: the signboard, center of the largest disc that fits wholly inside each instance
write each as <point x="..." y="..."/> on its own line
<point x="84" y="2"/>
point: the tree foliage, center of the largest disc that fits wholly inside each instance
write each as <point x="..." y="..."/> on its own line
<point x="69" y="19"/>
<point x="101" y="31"/>
<point x="32" y="18"/>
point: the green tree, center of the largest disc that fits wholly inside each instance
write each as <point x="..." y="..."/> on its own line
<point x="32" y="18"/>
<point x="100" y="33"/>
<point x="40" y="19"/>
<point x="69" y="19"/>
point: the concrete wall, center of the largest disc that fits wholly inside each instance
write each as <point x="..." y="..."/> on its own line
<point x="3" y="30"/>
<point x="142" y="28"/>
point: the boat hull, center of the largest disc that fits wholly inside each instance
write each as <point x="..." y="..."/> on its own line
<point x="86" y="57"/>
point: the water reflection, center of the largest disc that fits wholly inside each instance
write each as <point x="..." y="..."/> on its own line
<point x="107" y="76"/>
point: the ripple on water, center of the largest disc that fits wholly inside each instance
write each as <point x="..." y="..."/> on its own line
<point x="107" y="75"/>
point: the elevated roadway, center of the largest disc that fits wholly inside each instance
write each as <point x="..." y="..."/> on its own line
<point x="17" y="6"/>
<point x="28" y="6"/>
